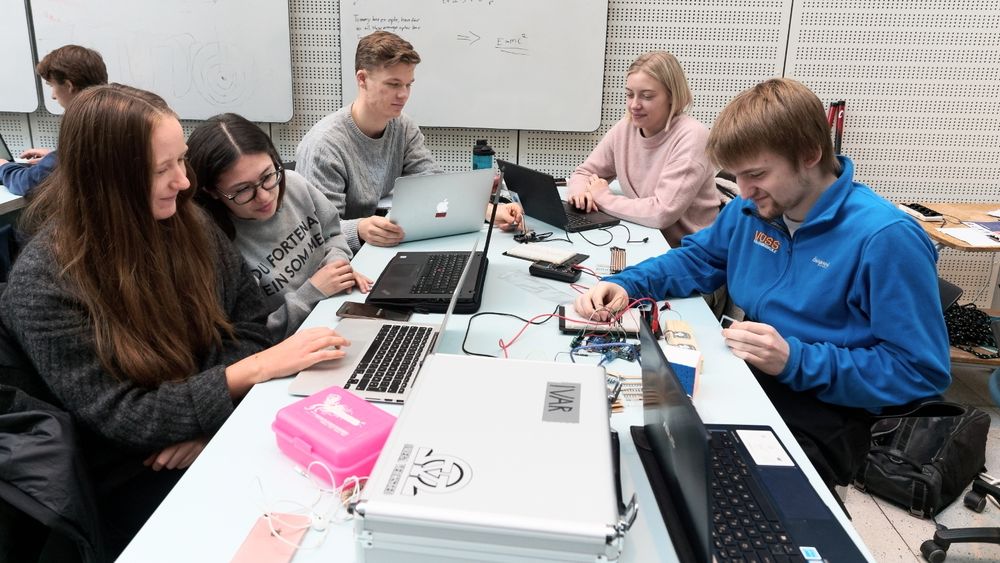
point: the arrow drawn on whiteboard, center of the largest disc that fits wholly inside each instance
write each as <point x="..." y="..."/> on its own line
<point x="467" y="38"/>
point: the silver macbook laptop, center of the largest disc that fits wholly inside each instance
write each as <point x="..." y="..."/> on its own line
<point x="510" y="458"/>
<point x="438" y="205"/>
<point x="384" y="356"/>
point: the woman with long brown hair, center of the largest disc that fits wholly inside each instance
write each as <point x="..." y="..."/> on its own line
<point x="138" y="314"/>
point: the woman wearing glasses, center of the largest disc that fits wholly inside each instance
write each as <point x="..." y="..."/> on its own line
<point x="287" y="231"/>
<point x="139" y="316"/>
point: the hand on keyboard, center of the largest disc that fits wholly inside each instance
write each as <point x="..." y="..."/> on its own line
<point x="302" y="350"/>
<point x="292" y="355"/>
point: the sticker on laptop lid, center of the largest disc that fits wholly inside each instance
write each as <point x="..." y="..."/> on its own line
<point x="764" y="448"/>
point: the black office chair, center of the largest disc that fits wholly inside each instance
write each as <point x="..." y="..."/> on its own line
<point x="728" y="190"/>
<point x="935" y="550"/>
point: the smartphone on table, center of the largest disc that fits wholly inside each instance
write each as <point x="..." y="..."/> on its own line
<point x="353" y="310"/>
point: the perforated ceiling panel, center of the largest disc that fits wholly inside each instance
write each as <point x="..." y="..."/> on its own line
<point x="923" y="102"/>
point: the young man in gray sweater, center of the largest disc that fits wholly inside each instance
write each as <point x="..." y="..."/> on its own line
<point x="355" y="154"/>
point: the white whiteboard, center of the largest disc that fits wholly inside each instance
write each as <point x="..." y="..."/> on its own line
<point x="496" y="64"/>
<point x="203" y="57"/>
<point x="18" y="89"/>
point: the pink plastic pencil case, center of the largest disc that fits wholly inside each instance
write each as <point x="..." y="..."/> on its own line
<point x="334" y="427"/>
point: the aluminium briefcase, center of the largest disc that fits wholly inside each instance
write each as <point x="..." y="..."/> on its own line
<point x="496" y="460"/>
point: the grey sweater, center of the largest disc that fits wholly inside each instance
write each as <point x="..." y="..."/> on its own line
<point x="287" y="249"/>
<point x="55" y="331"/>
<point x="353" y="170"/>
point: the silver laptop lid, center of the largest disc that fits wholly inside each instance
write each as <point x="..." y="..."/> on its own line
<point x="437" y="205"/>
<point x="447" y="466"/>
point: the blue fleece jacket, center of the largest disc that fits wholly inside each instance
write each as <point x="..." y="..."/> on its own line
<point x="854" y="292"/>
<point x="20" y="179"/>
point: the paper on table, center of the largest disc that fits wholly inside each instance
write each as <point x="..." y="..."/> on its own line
<point x="970" y="235"/>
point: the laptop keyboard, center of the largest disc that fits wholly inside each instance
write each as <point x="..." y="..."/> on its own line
<point x="440" y="274"/>
<point x="391" y="359"/>
<point x="745" y="525"/>
<point x="574" y="221"/>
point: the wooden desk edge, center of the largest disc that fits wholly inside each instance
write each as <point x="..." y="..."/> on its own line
<point x="961" y="212"/>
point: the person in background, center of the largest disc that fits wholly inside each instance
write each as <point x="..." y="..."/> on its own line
<point x="657" y="153"/>
<point x="831" y="277"/>
<point x="67" y="71"/>
<point x="355" y="154"/>
<point x="287" y="231"/>
<point x="137" y="313"/>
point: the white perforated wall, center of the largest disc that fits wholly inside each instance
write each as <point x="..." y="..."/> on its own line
<point x="922" y="84"/>
<point x="923" y="101"/>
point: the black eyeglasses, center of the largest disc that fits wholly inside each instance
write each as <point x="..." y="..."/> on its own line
<point x="248" y="192"/>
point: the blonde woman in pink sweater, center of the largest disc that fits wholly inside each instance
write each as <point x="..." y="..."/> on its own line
<point x="657" y="152"/>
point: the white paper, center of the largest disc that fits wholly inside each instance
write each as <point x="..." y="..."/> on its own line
<point x="994" y="213"/>
<point x="764" y="448"/>
<point x="970" y="235"/>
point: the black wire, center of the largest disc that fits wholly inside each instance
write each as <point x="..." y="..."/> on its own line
<point x="628" y="234"/>
<point x="469" y="327"/>
<point x="550" y="239"/>
<point x="611" y="240"/>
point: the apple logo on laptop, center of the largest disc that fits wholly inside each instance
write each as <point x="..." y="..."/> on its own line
<point x="442" y="208"/>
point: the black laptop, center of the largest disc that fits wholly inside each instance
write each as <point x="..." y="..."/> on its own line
<point x="424" y="282"/>
<point x="5" y="153"/>
<point x="538" y="194"/>
<point x="727" y="492"/>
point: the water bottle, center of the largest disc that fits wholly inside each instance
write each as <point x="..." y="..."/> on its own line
<point x="482" y="155"/>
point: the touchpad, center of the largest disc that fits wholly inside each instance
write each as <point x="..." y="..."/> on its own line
<point x="404" y="271"/>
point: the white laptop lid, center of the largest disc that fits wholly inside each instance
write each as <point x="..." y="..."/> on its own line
<point x="438" y="205"/>
<point x="500" y="444"/>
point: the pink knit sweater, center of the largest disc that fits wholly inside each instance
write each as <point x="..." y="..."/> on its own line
<point x="667" y="180"/>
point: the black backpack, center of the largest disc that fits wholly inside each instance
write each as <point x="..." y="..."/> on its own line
<point x="923" y="460"/>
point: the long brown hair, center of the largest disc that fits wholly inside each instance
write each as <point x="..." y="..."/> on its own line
<point x="150" y="287"/>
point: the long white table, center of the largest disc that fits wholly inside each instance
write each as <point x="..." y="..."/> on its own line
<point x="209" y="513"/>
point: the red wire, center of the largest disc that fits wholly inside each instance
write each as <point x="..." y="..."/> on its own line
<point x="618" y="315"/>
<point x="586" y="269"/>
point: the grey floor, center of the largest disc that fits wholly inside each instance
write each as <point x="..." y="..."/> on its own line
<point x="892" y="534"/>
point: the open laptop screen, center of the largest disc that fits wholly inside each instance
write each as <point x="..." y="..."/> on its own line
<point x="678" y="439"/>
<point x="5" y="151"/>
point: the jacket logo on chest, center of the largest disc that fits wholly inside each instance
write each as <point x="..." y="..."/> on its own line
<point x="763" y="240"/>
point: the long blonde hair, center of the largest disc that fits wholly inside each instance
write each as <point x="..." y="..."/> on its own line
<point x="149" y="287"/>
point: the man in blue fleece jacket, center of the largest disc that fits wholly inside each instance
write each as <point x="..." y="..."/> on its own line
<point x="841" y="286"/>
